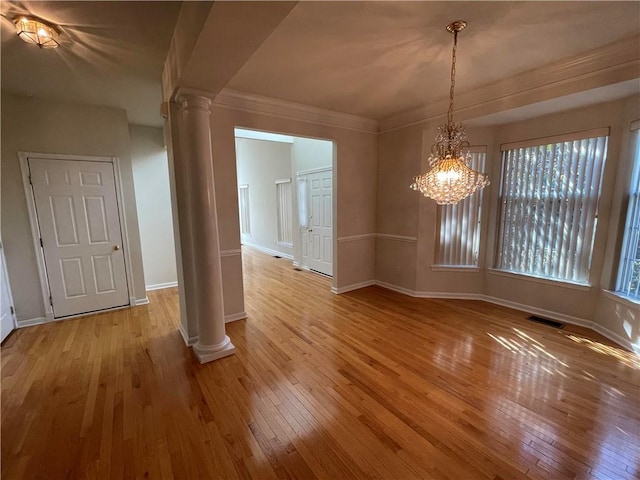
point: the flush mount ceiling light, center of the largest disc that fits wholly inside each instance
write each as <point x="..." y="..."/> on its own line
<point x="37" y="32"/>
<point x="450" y="179"/>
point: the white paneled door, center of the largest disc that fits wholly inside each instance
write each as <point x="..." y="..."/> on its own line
<point x="317" y="248"/>
<point x="7" y="315"/>
<point x="77" y="210"/>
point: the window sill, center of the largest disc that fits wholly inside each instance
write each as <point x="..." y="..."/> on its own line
<point x="545" y="281"/>
<point x="620" y="298"/>
<point x="455" y="268"/>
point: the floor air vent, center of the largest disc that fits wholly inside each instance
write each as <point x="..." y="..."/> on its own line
<point x="546" y="321"/>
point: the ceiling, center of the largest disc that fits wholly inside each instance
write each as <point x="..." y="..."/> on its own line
<point x="373" y="59"/>
<point x="111" y="53"/>
<point x="377" y="59"/>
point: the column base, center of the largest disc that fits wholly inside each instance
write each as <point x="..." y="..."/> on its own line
<point x="209" y="353"/>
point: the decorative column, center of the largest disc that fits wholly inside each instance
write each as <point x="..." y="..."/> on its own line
<point x="195" y="140"/>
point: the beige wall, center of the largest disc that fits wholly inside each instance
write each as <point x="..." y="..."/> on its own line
<point x="153" y="204"/>
<point x="43" y="126"/>
<point x="402" y="212"/>
<point x="259" y="164"/>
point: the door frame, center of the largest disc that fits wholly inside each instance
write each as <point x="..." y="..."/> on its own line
<point x="4" y="274"/>
<point x="35" y="225"/>
<point x="305" y="174"/>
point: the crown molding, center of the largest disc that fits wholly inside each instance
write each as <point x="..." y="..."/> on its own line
<point x="612" y="63"/>
<point x="249" y="102"/>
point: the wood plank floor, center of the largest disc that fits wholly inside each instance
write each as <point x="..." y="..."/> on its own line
<point x="369" y="384"/>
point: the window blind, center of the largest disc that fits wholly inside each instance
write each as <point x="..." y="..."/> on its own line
<point x="243" y="200"/>
<point x="285" y="208"/>
<point x="459" y="226"/>
<point x="629" y="270"/>
<point x="549" y="201"/>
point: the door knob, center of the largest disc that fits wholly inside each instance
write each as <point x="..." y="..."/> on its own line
<point x="116" y="247"/>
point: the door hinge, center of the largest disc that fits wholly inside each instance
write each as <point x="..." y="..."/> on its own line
<point x="30" y="182"/>
<point x="12" y="310"/>
<point x="41" y="244"/>
<point x="50" y="300"/>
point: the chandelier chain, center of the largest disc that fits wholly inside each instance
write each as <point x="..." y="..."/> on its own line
<point x="453" y="78"/>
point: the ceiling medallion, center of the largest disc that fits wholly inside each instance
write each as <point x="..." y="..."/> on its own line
<point x="450" y="179"/>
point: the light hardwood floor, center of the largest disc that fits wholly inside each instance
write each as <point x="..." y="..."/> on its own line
<point x="369" y="384"/>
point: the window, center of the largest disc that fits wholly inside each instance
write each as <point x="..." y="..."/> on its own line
<point x="243" y="199"/>
<point x="284" y="207"/>
<point x="303" y="216"/>
<point x="629" y="270"/>
<point x="549" y="201"/>
<point x="460" y="224"/>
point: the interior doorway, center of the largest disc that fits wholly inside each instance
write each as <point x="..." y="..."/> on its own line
<point x="286" y="197"/>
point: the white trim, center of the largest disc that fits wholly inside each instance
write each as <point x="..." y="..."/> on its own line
<point x="398" y="238"/>
<point x="310" y="171"/>
<point x="546" y="281"/>
<point x="261" y="135"/>
<point x="233" y="317"/>
<point x="230" y="253"/>
<point x="248" y="102"/>
<point x="139" y="302"/>
<point x="614" y="337"/>
<point x="283" y="180"/>
<point x="568" y="137"/>
<point x="599" y="65"/>
<point x="5" y="277"/>
<point x="31" y="322"/>
<point x="455" y="268"/>
<point x="596" y="327"/>
<point x="35" y="228"/>
<point x="268" y="250"/>
<point x="355" y="238"/>
<point x="160" y="286"/>
<point x="353" y="286"/>
<point x="188" y="341"/>
<point x="616" y="297"/>
<point x="539" y="311"/>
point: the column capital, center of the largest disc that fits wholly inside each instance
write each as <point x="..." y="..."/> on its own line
<point x="189" y="98"/>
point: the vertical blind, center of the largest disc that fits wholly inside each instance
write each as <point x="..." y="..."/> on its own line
<point x="243" y="200"/>
<point x="284" y="208"/>
<point x="549" y="200"/>
<point x="460" y="224"/>
<point x="629" y="269"/>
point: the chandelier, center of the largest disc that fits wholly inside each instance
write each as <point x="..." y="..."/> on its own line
<point x="450" y="179"/>
<point x="36" y="32"/>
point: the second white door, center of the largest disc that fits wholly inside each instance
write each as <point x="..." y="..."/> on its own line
<point x="317" y="240"/>
<point x="77" y="212"/>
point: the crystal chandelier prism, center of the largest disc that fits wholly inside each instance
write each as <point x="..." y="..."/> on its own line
<point x="450" y="179"/>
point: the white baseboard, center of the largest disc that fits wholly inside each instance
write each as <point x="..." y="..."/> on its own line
<point x="187" y="339"/>
<point x="268" y="251"/>
<point x="614" y="337"/>
<point x="31" y="322"/>
<point x="561" y="317"/>
<point x="353" y="286"/>
<point x="232" y="317"/>
<point x="160" y="286"/>
<point x="142" y="301"/>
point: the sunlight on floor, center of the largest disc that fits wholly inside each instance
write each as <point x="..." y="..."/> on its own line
<point x="629" y="359"/>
